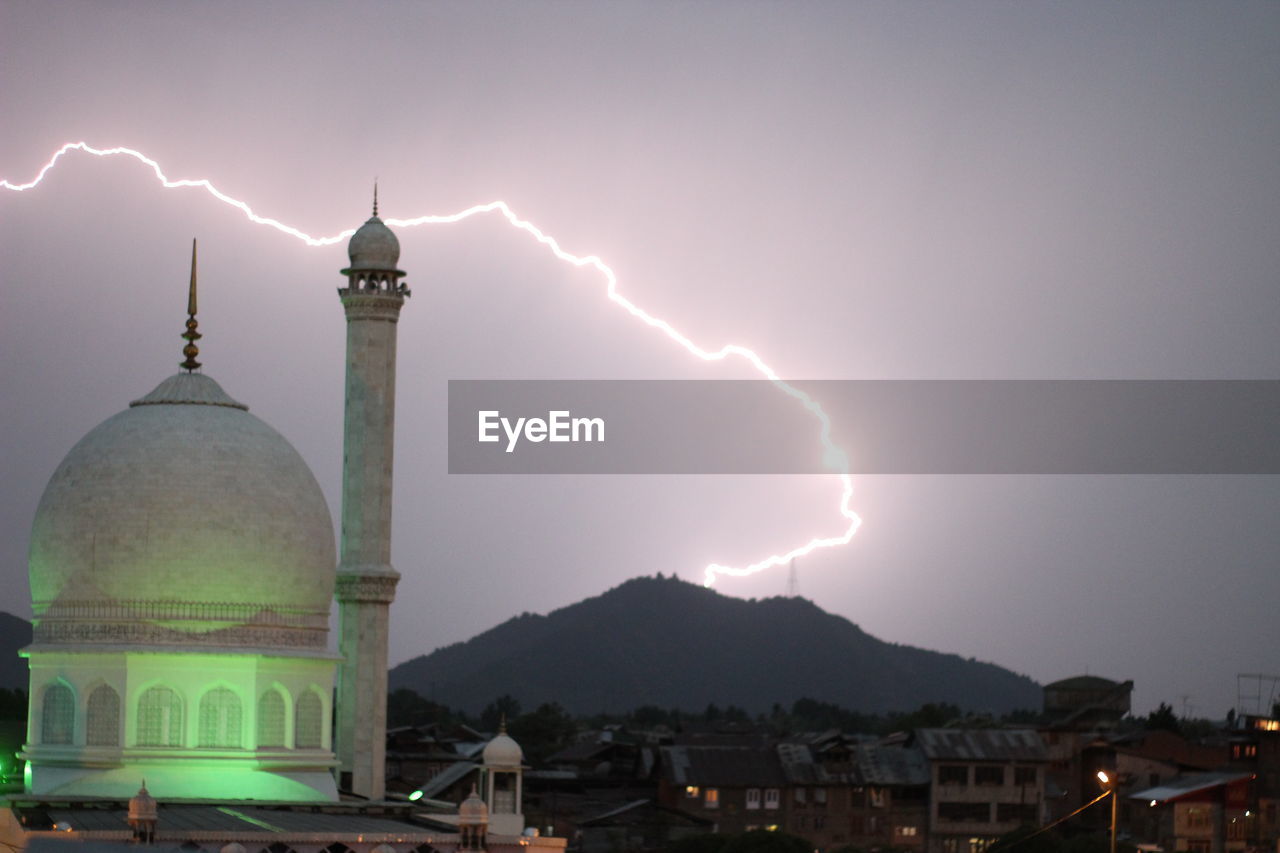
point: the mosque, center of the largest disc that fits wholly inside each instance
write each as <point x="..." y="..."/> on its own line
<point x="182" y="566"/>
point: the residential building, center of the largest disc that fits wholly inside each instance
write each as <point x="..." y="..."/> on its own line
<point x="986" y="782"/>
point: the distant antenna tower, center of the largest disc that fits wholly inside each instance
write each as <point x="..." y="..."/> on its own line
<point x="1187" y="707"/>
<point x="793" y="581"/>
<point x="1252" y="702"/>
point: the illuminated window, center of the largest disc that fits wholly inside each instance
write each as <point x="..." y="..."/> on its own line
<point x="308" y="722"/>
<point x="159" y="718"/>
<point x="753" y="798"/>
<point x="219" y="719"/>
<point x="57" y="715"/>
<point x="773" y="827"/>
<point x="906" y="831"/>
<point x="271" y="719"/>
<point x="102" y="723"/>
<point x="1197" y="817"/>
<point x="711" y="798"/>
<point x="692" y="791"/>
<point x="875" y="796"/>
<point x="1267" y="725"/>
<point x="1244" y="750"/>
<point x="772" y="798"/>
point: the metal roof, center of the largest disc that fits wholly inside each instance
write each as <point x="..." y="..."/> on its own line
<point x="1184" y="785"/>
<point x="447" y="777"/>
<point x="980" y="744"/>
<point x="239" y="818"/>
<point x="727" y="766"/>
<point x="882" y="764"/>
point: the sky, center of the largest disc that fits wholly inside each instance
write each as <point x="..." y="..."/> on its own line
<point x="854" y="190"/>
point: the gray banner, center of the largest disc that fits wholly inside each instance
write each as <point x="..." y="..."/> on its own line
<point x="876" y="427"/>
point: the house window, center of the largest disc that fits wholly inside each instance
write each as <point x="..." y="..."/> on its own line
<point x="1197" y="817"/>
<point x="964" y="812"/>
<point x="711" y="798"/>
<point x="953" y="774"/>
<point x="57" y="715"/>
<point x="102" y="728"/>
<point x="906" y="831"/>
<point x="1024" y="775"/>
<point x="801" y="796"/>
<point x="159" y="718"/>
<point x="875" y="797"/>
<point x="987" y="775"/>
<point x="753" y="798"/>
<point x="271" y="719"/>
<point x="1021" y="813"/>
<point x="772" y="798"/>
<point x="820" y="796"/>
<point x="692" y="791"/>
<point x="219" y="719"/>
<point x="819" y="821"/>
<point x="308" y="723"/>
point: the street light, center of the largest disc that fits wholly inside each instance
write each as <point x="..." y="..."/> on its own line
<point x="1110" y="784"/>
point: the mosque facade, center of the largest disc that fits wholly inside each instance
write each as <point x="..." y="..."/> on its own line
<point x="182" y="567"/>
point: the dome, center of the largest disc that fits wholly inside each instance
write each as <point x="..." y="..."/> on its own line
<point x="472" y="810"/>
<point x="183" y="519"/>
<point x="502" y="751"/>
<point x="374" y="247"/>
<point x="143" y="806"/>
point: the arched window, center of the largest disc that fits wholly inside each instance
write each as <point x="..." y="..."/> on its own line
<point x="102" y="727"/>
<point x="219" y="719"/>
<point x="160" y="718"/>
<point x="57" y="715"/>
<point x="308" y="727"/>
<point x="271" y="719"/>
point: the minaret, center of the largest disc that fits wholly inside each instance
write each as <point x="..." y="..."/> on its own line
<point x="366" y="581"/>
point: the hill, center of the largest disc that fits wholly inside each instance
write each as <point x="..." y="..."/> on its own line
<point x="15" y="633"/>
<point x="665" y="642"/>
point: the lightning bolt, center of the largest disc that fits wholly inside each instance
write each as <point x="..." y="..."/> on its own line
<point x="833" y="457"/>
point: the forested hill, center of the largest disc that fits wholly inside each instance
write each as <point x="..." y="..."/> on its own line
<point x="662" y="641"/>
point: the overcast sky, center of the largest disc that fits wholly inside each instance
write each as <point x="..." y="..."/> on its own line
<point x="855" y="190"/>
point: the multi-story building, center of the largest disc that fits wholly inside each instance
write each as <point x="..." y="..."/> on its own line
<point x="735" y="787"/>
<point x="1202" y="813"/>
<point x="986" y="782"/>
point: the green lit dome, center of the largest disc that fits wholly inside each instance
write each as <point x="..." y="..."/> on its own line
<point x="183" y="520"/>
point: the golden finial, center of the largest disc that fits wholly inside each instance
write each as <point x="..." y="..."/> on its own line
<point x="502" y="724"/>
<point x="375" y="196"/>
<point x="191" y="335"/>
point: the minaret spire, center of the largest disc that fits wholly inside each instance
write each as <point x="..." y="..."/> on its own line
<point x="366" y="583"/>
<point x="375" y="196"/>
<point x="191" y="335"/>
